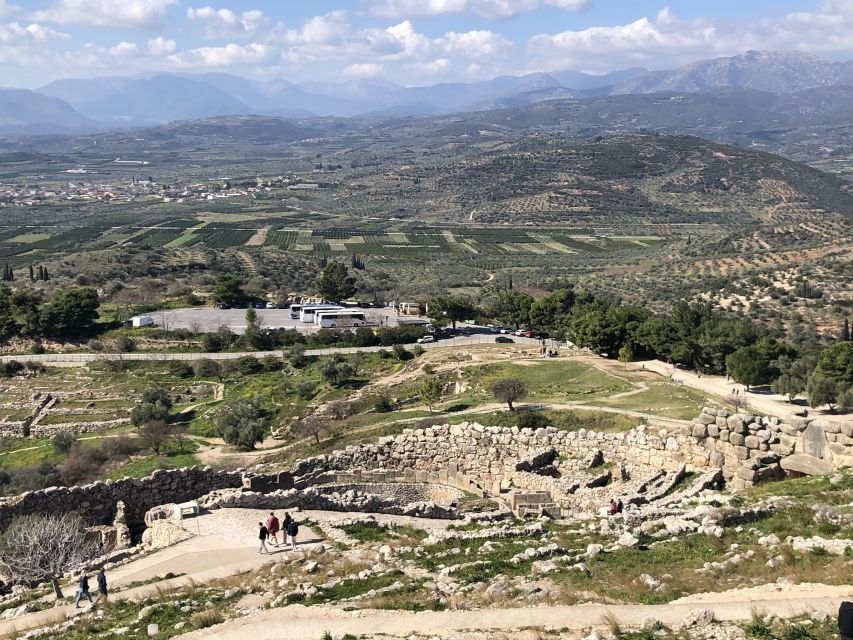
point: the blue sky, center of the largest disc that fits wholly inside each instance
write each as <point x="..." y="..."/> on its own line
<point x="405" y="41"/>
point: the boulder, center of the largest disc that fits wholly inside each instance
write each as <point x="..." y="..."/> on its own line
<point x="806" y="464"/>
<point x="813" y="442"/>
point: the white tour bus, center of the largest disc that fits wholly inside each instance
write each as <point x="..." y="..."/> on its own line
<point x="294" y="311"/>
<point x="342" y="318"/>
<point x="306" y="314"/>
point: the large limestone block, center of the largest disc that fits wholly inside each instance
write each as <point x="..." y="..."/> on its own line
<point x="804" y="463"/>
<point x="813" y="443"/>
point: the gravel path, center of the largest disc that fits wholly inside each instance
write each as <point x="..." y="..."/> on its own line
<point x="301" y="623"/>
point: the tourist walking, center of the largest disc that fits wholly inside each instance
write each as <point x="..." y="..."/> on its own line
<point x="262" y="536"/>
<point x="293" y="531"/>
<point x="83" y="590"/>
<point x="285" y="527"/>
<point x="102" y="584"/>
<point x="272" y="528"/>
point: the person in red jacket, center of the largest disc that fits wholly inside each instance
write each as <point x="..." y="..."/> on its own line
<point x="273" y="528"/>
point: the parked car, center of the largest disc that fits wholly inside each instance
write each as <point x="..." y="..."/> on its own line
<point x="221" y="305"/>
<point x="259" y="305"/>
<point x="504" y="340"/>
<point x="426" y="339"/>
<point x="270" y="305"/>
<point x="507" y="331"/>
<point x="495" y="329"/>
<point x="530" y="334"/>
<point x="519" y="332"/>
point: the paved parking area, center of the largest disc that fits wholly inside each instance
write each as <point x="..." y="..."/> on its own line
<point x="209" y="319"/>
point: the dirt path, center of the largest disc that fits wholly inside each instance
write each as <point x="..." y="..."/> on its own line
<point x="225" y="544"/>
<point x="259" y="238"/>
<point x="301" y="623"/>
<point x="766" y="404"/>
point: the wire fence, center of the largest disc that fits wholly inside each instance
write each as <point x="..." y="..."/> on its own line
<point x="69" y="358"/>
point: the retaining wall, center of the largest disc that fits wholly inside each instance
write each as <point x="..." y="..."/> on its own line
<point x="96" y="502"/>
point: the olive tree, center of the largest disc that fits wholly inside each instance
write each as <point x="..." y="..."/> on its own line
<point x="43" y="547"/>
<point x="241" y="422"/>
<point x="509" y="390"/>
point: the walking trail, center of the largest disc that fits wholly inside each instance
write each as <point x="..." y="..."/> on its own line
<point x="764" y="403"/>
<point x="302" y="623"/>
<point x="225" y="544"/>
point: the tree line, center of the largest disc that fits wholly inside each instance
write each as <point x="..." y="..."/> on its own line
<point x="695" y="336"/>
<point x="27" y="313"/>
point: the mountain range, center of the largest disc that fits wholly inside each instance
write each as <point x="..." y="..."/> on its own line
<point x="76" y="105"/>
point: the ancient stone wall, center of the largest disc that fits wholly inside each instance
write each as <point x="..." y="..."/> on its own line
<point x="748" y="449"/>
<point x="97" y="502"/>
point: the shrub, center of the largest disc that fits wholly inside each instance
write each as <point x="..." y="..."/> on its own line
<point x="306" y="389"/>
<point x="123" y="344"/>
<point x="180" y="369"/>
<point x="383" y="405"/>
<point x="271" y="363"/>
<point x="246" y="365"/>
<point x="62" y="442"/>
<point x="400" y="353"/>
<point x="207" y="368"/>
<point x="241" y="423"/>
<point x="206" y="618"/>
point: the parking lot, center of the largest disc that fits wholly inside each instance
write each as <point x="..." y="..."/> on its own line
<point x="206" y="319"/>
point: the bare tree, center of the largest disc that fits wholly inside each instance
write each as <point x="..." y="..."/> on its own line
<point x="737" y="402"/>
<point x="42" y="547"/>
<point x="311" y="427"/>
<point x="154" y="434"/>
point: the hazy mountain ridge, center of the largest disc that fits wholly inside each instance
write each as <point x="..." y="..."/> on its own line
<point x="160" y="98"/>
<point x="30" y="112"/>
<point x="771" y="71"/>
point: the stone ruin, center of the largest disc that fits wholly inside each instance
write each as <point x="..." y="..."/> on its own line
<point x="429" y="472"/>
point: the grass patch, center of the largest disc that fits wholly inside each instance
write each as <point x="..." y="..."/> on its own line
<point x="169" y="458"/>
<point x="557" y="381"/>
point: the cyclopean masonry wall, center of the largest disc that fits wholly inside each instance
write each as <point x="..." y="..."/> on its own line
<point x="96" y="502"/>
<point x="747" y="449"/>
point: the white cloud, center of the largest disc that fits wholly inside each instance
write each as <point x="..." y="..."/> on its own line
<point x="107" y="13"/>
<point x="491" y="9"/>
<point x="33" y="34"/>
<point x="229" y="55"/>
<point x="474" y="45"/>
<point x="225" y="23"/>
<point x="666" y="40"/>
<point x="8" y="9"/>
<point x="437" y="67"/>
<point x="160" y="46"/>
<point x="364" y="70"/>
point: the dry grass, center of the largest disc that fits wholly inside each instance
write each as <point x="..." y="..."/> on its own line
<point x="206" y="618"/>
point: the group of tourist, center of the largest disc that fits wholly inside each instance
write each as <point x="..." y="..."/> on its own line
<point x="83" y="587"/>
<point x="269" y="531"/>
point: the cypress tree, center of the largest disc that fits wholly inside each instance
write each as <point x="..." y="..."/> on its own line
<point x="845" y="333"/>
<point x="32" y="274"/>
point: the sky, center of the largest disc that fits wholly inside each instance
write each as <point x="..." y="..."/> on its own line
<point x="408" y="42"/>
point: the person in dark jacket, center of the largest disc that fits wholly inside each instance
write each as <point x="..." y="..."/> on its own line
<point x="263" y="532"/>
<point x="285" y="525"/>
<point x="845" y="620"/>
<point x="83" y="590"/>
<point x="293" y="531"/>
<point x="102" y="584"/>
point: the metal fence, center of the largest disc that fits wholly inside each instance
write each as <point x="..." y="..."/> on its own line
<point x="68" y="358"/>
